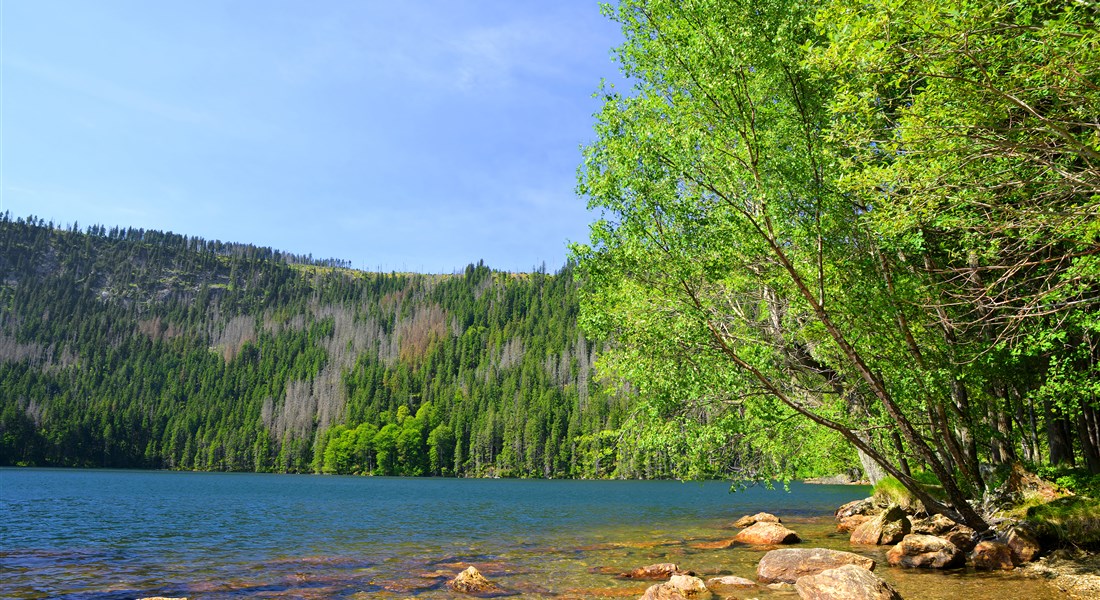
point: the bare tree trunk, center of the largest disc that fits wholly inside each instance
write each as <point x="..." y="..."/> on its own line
<point x="1003" y="451"/>
<point x="899" y="447"/>
<point x="1088" y="434"/>
<point x="1061" y="448"/>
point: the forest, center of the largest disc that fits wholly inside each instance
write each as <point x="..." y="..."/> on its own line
<point x="881" y="219"/>
<point x="143" y="349"/>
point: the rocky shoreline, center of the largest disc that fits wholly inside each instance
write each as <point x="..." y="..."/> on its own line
<point x="915" y="541"/>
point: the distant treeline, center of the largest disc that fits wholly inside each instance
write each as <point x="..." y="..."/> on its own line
<point x="137" y="348"/>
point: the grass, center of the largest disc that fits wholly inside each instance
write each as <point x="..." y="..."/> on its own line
<point x="890" y="491"/>
<point x="1073" y="520"/>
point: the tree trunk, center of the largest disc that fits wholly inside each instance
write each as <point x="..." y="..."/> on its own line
<point x="871" y="469"/>
<point x="1003" y="451"/>
<point x="1061" y="448"/>
<point x="1089" y="434"/>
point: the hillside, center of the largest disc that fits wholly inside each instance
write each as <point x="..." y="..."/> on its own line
<point x="131" y="348"/>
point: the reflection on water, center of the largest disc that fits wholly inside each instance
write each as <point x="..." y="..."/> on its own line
<point x="99" y="535"/>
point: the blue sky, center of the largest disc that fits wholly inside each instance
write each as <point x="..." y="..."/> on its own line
<point x="412" y="135"/>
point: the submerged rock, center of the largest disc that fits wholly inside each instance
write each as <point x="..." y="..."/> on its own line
<point x="714" y="545"/>
<point x="925" y="551"/>
<point x="845" y="583"/>
<point x="888" y="528"/>
<point x="471" y="581"/>
<point x="992" y="556"/>
<point x="765" y="533"/>
<point x="655" y="571"/>
<point x="729" y="583"/>
<point x="760" y="517"/>
<point x="788" y="564"/>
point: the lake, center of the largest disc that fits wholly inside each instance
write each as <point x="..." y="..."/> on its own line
<point x="105" y="535"/>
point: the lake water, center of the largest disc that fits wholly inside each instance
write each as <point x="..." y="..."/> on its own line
<point x="104" y="535"/>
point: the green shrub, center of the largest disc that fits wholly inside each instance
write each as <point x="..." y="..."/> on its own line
<point x="1078" y="481"/>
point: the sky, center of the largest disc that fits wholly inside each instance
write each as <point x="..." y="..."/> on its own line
<point x="400" y="136"/>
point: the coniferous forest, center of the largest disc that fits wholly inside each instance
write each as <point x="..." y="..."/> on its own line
<point x="132" y="348"/>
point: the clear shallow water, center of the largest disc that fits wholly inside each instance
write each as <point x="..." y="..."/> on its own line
<point x="104" y="535"/>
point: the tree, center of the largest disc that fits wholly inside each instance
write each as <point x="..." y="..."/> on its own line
<point x="729" y="267"/>
<point x="972" y="130"/>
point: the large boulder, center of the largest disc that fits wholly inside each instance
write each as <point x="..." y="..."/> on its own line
<point x="1024" y="544"/>
<point x="845" y="583"/>
<point x="962" y="536"/>
<point x="925" y="551"/>
<point x="678" y="587"/>
<point x="888" y="528"/>
<point x="992" y="556"/>
<point x="788" y="564"/>
<point x="760" y="517"/>
<point x="729" y="583"/>
<point x="655" y="571"/>
<point x="471" y="581"/>
<point x="864" y="507"/>
<point x="765" y="533"/>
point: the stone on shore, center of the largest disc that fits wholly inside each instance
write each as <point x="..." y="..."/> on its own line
<point x="764" y="534"/>
<point x="760" y="517"/>
<point x="849" y="582"/>
<point x="788" y="564"/>
<point x="992" y="556"/>
<point x="1025" y="547"/>
<point x="729" y="583"/>
<point x="888" y="528"/>
<point x="471" y="581"/>
<point x="918" y="550"/>
<point x="678" y="587"/>
<point x="655" y="571"/>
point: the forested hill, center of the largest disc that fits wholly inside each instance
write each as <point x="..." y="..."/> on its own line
<point x="132" y="348"/>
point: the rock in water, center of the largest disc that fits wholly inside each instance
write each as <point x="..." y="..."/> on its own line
<point x="864" y="507"/>
<point x="925" y="551"/>
<point x="764" y="533"/>
<point x="760" y="517"/>
<point x="789" y="564"/>
<point x="888" y="528"/>
<point x="678" y="587"/>
<point x="992" y="556"/>
<point x="657" y="571"/>
<point x="845" y="583"/>
<point x="940" y="526"/>
<point x="471" y="581"/>
<point x="851" y="523"/>
<point x="729" y="583"/>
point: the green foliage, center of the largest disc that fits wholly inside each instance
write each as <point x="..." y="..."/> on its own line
<point x="1076" y="480"/>
<point x="876" y="218"/>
